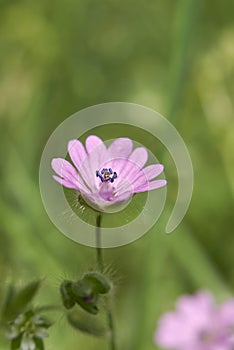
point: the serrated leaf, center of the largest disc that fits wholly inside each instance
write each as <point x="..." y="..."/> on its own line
<point x="19" y="300"/>
<point x="86" y="323"/>
<point x="100" y="283"/>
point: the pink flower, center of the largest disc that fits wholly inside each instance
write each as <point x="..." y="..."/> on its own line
<point x="197" y="324"/>
<point x="104" y="176"/>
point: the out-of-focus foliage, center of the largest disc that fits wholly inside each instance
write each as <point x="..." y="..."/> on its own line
<point x="174" y="56"/>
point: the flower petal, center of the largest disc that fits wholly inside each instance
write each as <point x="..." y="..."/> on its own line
<point x="139" y="156"/>
<point x="150" y="186"/>
<point x="170" y="332"/>
<point x="77" y="153"/>
<point x="153" y="171"/>
<point x="226" y="312"/>
<point x="96" y="150"/>
<point x="68" y="174"/>
<point x="124" y="196"/>
<point x="92" y="142"/>
<point x="124" y="169"/>
<point x="100" y="201"/>
<point x="120" y="148"/>
<point x="65" y="183"/>
<point x="147" y="174"/>
<point x="64" y="169"/>
<point x="134" y="163"/>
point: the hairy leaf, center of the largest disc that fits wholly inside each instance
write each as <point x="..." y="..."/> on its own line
<point x="86" y="323"/>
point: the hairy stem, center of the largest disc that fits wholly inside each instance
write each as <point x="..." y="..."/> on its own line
<point x="100" y="264"/>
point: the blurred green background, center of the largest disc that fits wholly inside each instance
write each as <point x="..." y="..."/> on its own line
<point x="176" y="57"/>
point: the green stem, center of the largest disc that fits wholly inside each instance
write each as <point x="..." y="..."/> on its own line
<point x="100" y="264"/>
<point x="112" y="329"/>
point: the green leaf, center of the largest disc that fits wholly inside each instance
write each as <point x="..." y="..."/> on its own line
<point x="39" y="343"/>
<point x="9" y="297"/>
<point x="67" y="294"/>
<point x="15" y="343"/>
<point x="99" y="282"/>
<point x="17" y="301"/>
<point x="86" y="323"/>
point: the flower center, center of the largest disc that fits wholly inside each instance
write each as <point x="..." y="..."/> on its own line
<point x="106" y="174"/>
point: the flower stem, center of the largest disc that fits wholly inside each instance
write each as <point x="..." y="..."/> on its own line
<point x="112" y="329"/>
<point x="99" y="243"/>
<point x="100" y="264"/>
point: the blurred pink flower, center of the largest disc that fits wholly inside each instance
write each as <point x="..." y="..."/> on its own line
<point x="197" y="324"/>
<point x="107" y="175"/>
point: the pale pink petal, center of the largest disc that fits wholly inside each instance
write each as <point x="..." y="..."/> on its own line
<point x="197" y="346"/>
<point x="136" y="161"/>
<point x="202" y="300"/>
<point x="124" y="196"/>
<point x="226" y="312"/>
<point x="139" y="156"/>
<point x="153" y="171"/>
<point x="64" y="169"/>
<point x="97" y="200"/>
<point x="124" y="187"/>
<point x="77" y="153"/>
<point x="147" y="174"/>
<point x="200" y="306"/>
<point x="105" y="199"/>
<point x="124" y="168"/>
<point x="220" y="346"/>
<point x="171" y="332"/>
<point x="150" y="186"/>
<point x="96" y="150"/>
<point x="92" y="142"/>
<point x="79" y="157"/>
<point x="120" y="148"/>
<point x="65" y="183"/>
<point x="68" y="173"/>
<point x="127" y="170"/>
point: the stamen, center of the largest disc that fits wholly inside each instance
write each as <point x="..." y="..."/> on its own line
<point x="106" y="174"/>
